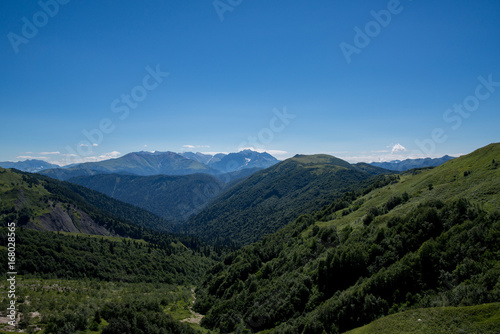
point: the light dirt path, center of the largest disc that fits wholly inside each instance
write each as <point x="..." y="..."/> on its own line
<point x="196" y="317"/>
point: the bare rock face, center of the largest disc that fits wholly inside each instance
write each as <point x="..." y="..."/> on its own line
<point x="68" y="219"/>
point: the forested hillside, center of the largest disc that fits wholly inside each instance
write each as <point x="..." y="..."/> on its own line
<point x="67" y="233"/>
<point x="43" y="203"/>
<point x="49" y="255"/>
<point x="423" y="239"/>
<point x="175" y="198"/>
<point x="378" y="244"/>
<point x="274" y="197"/>
<point x="121" y="245"/>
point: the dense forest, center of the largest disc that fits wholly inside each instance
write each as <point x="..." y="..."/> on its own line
<point x="274" y="197"/>
<point x="426" y="241"/>
<point x="308" y="278"/>
<point x="43" y="254"/>
<point x="123" y="251"/>
<point x="62" y="306"/>
<point x="426" y="238"/>
<point x="175" y="198"/>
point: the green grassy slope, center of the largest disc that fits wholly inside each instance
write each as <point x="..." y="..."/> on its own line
<point x="480" y="319"/>
<point x="475" y="177"/>
<point x="428" y="238"/>
<point x="271" y="198"/>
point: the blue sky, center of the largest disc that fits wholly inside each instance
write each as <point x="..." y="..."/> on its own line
<point x="362" y="80"/>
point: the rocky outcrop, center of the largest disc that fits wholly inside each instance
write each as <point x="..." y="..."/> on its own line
<point x="65" y="218"/>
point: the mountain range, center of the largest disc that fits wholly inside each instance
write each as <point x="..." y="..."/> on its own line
<point x="31" y="166"/>
<point x="179" y="198"/>
<point x="167" y="163"/>
<point x="226" y="163"/>
<point x="404" y="165"/>
<point x="197" y="188"/>
<point x="271" y="198"/>
<point x="311" y="244"/>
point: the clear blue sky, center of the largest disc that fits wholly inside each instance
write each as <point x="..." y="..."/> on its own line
<point x="233" y="68"/>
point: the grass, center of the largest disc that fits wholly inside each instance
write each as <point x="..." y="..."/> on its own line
<point x="471" y="320"/>
<point x="16" y="192"/>
<point x="54" y="296"/>
<point x="179" y="309"/>
<point x="475" y="177"/>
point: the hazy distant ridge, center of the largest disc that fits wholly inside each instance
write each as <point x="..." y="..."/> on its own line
<point x="404" y="165"/>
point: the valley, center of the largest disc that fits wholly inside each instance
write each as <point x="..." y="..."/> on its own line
<point x="311" y="244"/>
<point x="267" y="167"/>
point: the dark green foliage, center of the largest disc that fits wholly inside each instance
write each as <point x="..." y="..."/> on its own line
<point x="97" y="317"/>
<point x="68" y="322"/>
<point x="174" y="198"/>
<point x="329" y="280"/>
<point x="130" y="312"/>
<point x="347" y="199"/>
<point x="140" y="316"/>
<point x="153" y="256"/>
<point x="76" y="306"/>
<point x="52" y="255"/>
<point x="274" y="197"/>
<point x="24" y="215"/>
<point x="392" y="203"/>
<point x="105" y="211"/>
<point x="93" y="201"/>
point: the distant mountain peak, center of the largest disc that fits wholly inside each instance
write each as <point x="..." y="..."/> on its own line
<point x="244" y="159"/>
<point x="30" y="165"/>
<point x="319" y="159"/>
<point x="403" y="165"/>
<point x="147" y="163"/>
